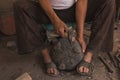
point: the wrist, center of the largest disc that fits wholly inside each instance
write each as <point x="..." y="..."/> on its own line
<point x="55" y="20"/>
<point x="80" y="30"/>
<point x="80" y="36"/>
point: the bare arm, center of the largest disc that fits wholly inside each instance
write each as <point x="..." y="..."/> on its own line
<point x="45" y="4"/>
<point x="81" y="8"/>
<point x="59" y="25"/>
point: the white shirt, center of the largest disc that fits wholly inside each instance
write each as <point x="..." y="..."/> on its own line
<point x="62" y="4"/>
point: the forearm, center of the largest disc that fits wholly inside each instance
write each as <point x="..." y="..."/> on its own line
<point x="81" y="8"/>
<point x="45" y="4"/>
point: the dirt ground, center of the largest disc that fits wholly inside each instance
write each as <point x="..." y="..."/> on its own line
<point x="13" y="65"/>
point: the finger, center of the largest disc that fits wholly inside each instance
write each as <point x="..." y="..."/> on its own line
<point x="83" y="45"/>
<point x="61" y="32"/>
<point x="66" y="30"/>
<point x="83" y="51"/>
<point x="66" y="34"/>
<point x="83" y="48"/>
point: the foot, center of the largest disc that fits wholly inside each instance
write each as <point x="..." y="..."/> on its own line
<point x="85" y="65"/>
<point x="52" y="69"/>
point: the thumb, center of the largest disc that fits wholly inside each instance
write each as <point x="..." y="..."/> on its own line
<point x="83" y="50"/>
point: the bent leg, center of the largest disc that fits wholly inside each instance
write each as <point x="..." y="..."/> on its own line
<point x="30" y="34"/>
<point x="101" y="13"/>
<point x="101" y="38"/>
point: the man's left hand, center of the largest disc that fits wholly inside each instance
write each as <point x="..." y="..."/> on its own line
<point x="82" y="43"/>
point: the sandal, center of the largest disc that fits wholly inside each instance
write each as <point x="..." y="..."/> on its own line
<point x="87" y="65"/>
<point x="52" y="65"/>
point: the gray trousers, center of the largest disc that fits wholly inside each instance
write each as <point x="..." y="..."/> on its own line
<point x="29" y="17"/>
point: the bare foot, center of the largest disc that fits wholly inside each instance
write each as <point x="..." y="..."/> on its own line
<point x="52" y="69"/>
<point x="50" y="66"/>
<point x="87" y="58"/>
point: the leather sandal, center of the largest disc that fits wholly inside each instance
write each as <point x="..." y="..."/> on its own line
<point x="87" y="65"/>
<point x="52" y="65"/>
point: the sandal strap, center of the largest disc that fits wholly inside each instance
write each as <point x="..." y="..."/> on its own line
<point x="87" y="65"/>
<point x="84" y="64"/>
<point x="50" y="65"/>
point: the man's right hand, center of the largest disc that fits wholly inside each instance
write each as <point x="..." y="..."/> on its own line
<point x="61" y="28"/>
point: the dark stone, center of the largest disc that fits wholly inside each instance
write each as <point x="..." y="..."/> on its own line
<point x="67" y="52"/>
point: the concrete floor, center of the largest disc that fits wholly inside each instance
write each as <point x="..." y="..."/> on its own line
<point x="13" y="65"/>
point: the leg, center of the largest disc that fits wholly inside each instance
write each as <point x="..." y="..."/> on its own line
<point x="102" y="13"/>
<point x="47" y="59"/>
<point x="30" y="34"/>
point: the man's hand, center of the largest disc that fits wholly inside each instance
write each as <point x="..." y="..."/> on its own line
<point x="61" y="28"/>
<point x="82" y="43"/>
<point x="81" y="9"/>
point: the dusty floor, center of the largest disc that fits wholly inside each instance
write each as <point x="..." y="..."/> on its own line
<point x="13" y="65"/>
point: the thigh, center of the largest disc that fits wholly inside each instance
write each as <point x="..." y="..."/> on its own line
<point x="93" y="9"/>
<point x="33" y="10"/>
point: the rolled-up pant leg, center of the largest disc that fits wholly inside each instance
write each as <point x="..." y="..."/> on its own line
<point x="102" y="14"/>
<point x="30" y="33"/>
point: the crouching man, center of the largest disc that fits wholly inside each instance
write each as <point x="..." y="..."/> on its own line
<point x="30" y="15"/>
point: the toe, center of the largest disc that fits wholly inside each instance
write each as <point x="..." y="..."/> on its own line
<point x="81" y="69"/>
<point x="85" y="70"/>
<point x="49" y="70"/>
<point x="52" y="71"/>
<point x="55" y="71"/>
